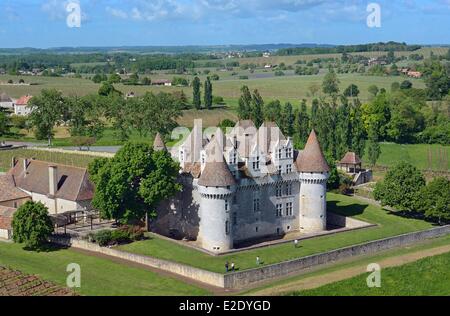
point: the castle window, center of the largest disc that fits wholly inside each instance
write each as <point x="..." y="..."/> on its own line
<point x="280" y="153"/>
<point x="289" y="209"/>
<point x="280" y="169"/>
<point x="279" y="210"/>
<point x="227" y="206"/>
<point x="256" y="164"/>
<point x="257" y="228"/>
<point x="289" y="189"/>
<point x="181" y="155"/>
<point x="227" y="227"/>
<point x="278" y="190"/>
<point x="288" y="152"/>
<point x="288" y="168"/>
<point x="255" y="205"/>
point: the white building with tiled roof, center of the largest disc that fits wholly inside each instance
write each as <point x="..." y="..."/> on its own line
<point x="243" y="185"/>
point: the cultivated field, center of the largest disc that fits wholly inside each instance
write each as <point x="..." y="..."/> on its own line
<point x="16" y="283"/>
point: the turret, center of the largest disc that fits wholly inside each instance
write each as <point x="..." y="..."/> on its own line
<point x="216" y="187"/>
<point x="313" y="173"/>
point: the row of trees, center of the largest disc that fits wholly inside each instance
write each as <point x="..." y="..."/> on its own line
<point x="88" y="116"/>
<point x="197" y="95"/>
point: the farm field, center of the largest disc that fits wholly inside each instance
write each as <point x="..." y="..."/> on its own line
<point x="99" y="276"/>
<point x="285" y="88"/>
<point x="389" y="225"/>
<point x="426" y="277"/>
<point x="416" y="154"/>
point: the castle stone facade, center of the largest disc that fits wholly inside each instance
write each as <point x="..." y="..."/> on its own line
<point x="243" y="186"/>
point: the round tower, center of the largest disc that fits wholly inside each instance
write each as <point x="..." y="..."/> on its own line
<point x="216" y="187"/>
<point x="313" y="174"/>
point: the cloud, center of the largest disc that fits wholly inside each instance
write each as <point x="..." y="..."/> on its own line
<point x="117" y="13"/>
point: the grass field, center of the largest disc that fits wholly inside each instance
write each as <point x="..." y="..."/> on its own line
<point x="426" y="277"/>
<point x="287" y="88"/>
<point x="389" y="225"/>
<point x="417" y="155"/>
<point x="98" y="276"/>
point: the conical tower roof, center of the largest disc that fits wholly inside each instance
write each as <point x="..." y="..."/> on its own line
<point x="216" y="174"/>
<point x="158" y="144"/>
<point x="311" y="159"/>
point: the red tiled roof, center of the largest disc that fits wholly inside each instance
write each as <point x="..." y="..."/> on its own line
<point x="350" y="158"/>
<point x="311" y="159"/>
<point x="24" y="100"/>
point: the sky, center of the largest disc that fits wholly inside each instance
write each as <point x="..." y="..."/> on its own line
<point x="44" y="23"/>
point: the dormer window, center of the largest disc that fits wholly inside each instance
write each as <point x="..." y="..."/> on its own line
<point x="288" y="168"/>
<point x="288" y="152"/>
<point x="279" y="153"/>
<point x="181" y="155"/>
<point x="280" y="170"/>
<point x="256" y="164"/>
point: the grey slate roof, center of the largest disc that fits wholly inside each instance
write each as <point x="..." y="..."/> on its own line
<point x="216" y="174"/>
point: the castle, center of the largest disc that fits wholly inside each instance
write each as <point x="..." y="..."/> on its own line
<point x="245" y="185"/>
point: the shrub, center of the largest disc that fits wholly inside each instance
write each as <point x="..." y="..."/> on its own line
<point x="103" y="238"/>
<point x="120" y="236"/>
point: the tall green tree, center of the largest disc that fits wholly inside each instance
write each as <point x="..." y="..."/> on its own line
<point x="272" y="112"/>
<point x="343" y="130"/>
<point x="257" y="107"/>
<point x="197" y="98"/>
<point x="47" y="110"/>
<point x="208" y="94"/>
<point x="245" y="104"/>
<point x="400" y="187"/>
<point x="32" y="225"/>
<point x="373" y="145"/>
<point x="302" y="126"/>
<point x="358" y="132"/>
<point x="130" y="186"/>
<point x="352" y="91"/>
<point x="287" y="120"/>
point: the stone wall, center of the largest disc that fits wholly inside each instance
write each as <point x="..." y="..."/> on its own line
<point x="211" y="278"/>
<point x="247" y="278"/>
<point x="242" y="279"/>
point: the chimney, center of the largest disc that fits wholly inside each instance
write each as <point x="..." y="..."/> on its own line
<point x="52" y="180"/>
<point x="25" y="167"/>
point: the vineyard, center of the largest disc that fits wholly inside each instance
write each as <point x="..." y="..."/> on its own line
<point x="16" y="283"/>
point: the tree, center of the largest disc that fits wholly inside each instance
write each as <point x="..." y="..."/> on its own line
<point x="405" y="85"/>
<point x="352" y="91"/>
<point x="46" y="110"/>
<point x="395" y="86"/>
<point x="115" y="78"/>
<point x="197" y="94"/>
<point x="4" y="123"/>
<point x="373" y="90"/>
<point x="272" y="112"/>
<point x="245" y="104"/>
<point x="302" y="126"/>
<point x="434" y="200"/>
<point x="373" y="146"/>
<point x="130" y="186"/>
<point x="108" y="89"/>
<point x="32" y="225"/>
<point x="401" y="187"/>
<point x="287" y="120"/>
<point x="343" y="130"/>
<point x="257" y="107"/>
<point x="358" y="132"/>
<point x="208" y="94"/>
<point x="330" y="84"/>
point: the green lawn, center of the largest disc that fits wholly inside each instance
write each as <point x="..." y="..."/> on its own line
<point x="389" y="225"/>
<point x="98" y="276"/>
<point x="426" y="277"/>
<point x="417" y="155"/>
<point x="354" y="262"/>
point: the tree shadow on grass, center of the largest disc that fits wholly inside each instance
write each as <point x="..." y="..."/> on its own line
<point x="415" y="215"/>
<point x="46" y="248"/>
<point x="346" y="210"/>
